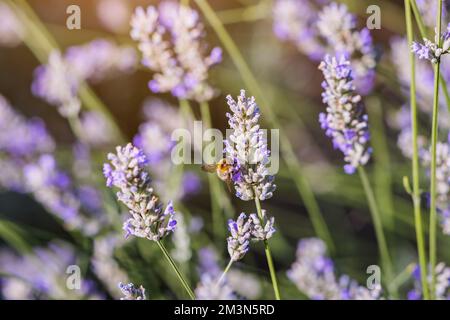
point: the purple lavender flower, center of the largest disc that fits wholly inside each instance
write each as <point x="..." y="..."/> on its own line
<point x="56" y="84"/>
<point x="210" y="289"/>
<point x="443" y="181"/>
<point x="39" y="274"/>
<point x="180" y="63"/>
<point x="313" y="274"/>
<point x="330" y="30"/>
<point x="22" y="138"/>
<point x="96" y="130"/>
<point x="104" y="265"/>
<point x="345" y="121"/>
<point x="429" y="50"/>
<point x="246" y="148"/>
<point x="100" y="59"/>
<point x="262" y="229"/>
<point x="442" y="283"/>
<point x="239" y="241"/>
<point x="131" y="292"/>
<point x="53" y="189"/>
<point x="127" y="172"/>
<point x="428" y="10"/>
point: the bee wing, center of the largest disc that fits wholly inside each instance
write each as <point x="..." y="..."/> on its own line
<point x="211" y="168"/>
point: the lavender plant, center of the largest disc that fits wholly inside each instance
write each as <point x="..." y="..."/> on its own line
<point x="331" y="30"/>
<point x="170" y="40"/>
<point x="131" y="292"/>
<point x="149" y="219"/>
<point x="247" y="151"/>
<point x="347" y="124"/>
<point x="314" y="275"/>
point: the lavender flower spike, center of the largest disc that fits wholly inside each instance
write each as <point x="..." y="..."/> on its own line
<point x="55" y="83"/>
<point x="131" y="292"/>
<point x="128" y="173"/>
<point x="246" y="148"/>
<point x="210" y="289"/>
<point x="430" y="50"/>
<point x="239" y="241"/>
<point x="262" y="230"/>
<point x="443" y="181"/>
<point x="345" y="121"/>
<point x="170" y="39"/>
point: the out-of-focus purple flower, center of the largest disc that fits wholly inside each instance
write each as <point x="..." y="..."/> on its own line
<point x="127" y="172"/>
<point x="55" y="83"/>
<point x="246" y="148"/>
<point x="11" y="29"/>
<point x="39" y="274"/>
<point x="181" y="252"/>
<point x="210" y="289"/>
<point x="208" y="262"/>
<point x="171" y="41"/>
<point x="443" y="181"/>
<point x="58" y="82"/>
<point x="99" y="59"/>
<point x="442" y="283"/>
<point x="313" y="274"/>
<point x="114" y="14"/>
<point x="131" y="292"/>
<point x="428" y="10"/>
<point x="105" y="266"/>
<point x="96" y="129"/>
<point x="331" y="30"/>
<point x="345" y="121"/>
<point x="22" y="138"/>
<point x="52" y="188"/>
<point x="191" y="183"/>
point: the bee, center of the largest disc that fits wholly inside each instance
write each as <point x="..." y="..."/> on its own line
<point x="223" y="169"/>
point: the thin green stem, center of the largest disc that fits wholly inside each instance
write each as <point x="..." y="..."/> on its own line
<point x="177" y="271"/>
<point x="382" y="167"/>
<point x="434" y="136"/>
<point x="225" y="272"/>
<point x="415" y="160"/>
<point x="287" y="150"/>
<point x="270" y="264"/>
<point x="381" y="239"/>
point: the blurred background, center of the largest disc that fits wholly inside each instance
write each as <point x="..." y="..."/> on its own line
<point x="37" y="245"/>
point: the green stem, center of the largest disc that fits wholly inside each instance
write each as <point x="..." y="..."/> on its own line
<point x="177" y="271"/>
<point x="434" y="136"/>
<point x="287" y="150"/>
<point x="270" y="264"/>
<point x="415" y="160"/>
<point x="225" y="272"/>
<point x="382" y="167"/>
<point x="381" y="239"/>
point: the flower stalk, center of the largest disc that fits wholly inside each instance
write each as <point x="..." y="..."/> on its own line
<point x="176" y="270"/>
<point x="415" y="195"/>
<point x="434" y="136"/>
<point x="273" y="275"/>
